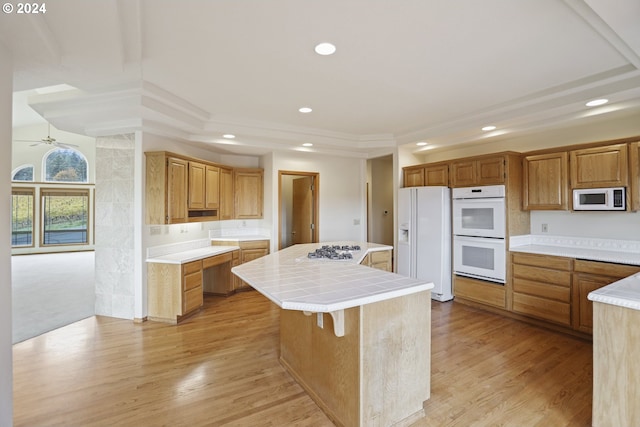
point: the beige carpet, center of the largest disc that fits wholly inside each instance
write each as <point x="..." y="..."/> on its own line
<point x="50" y="291"/>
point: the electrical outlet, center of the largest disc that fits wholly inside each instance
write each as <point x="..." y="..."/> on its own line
<point x="545" y="228"/>
<point x="154" y="230"/>
<point x="356" y="222"/>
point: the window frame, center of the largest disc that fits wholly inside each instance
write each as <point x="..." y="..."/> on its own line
<point x="71" y="192"/>
<point x="58" y="149"/>
<point x="25" y="191"/>
<point x="20" y="168"/>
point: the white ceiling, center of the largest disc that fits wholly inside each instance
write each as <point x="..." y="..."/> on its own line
<point x="406" y="71"/>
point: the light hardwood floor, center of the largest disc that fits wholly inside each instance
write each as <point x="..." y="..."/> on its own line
<point x="221" y="367"/>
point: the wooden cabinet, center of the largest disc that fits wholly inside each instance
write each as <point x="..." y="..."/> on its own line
<point x="180" y="190"/>
<point x="480" y="291"/>
<point x="598" y="167"/>
<point x="378" y="259"/>
<point x="634" y="175"/>
<point x="226" y="194"/>
<point x="589" y="276"/>
<point x="429" y="174"/>
<point x="413" y="176"/>
<point x="174" y="290"/>
<point x="542" y="287"/>
<point x="478" y="171"/>
<point x="249" y="250"/>
<point x="249" y="189"/>
<point x="545" y="183"/>
<point x="166" y="189"/>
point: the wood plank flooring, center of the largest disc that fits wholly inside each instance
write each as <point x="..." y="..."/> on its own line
<point x="220" y="368"/>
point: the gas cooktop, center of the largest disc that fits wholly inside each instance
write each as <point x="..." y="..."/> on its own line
<point x="334" y="252"/>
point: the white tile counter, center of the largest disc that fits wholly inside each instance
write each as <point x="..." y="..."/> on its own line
<point x="623" y="293"/>
<point x="294" y="282"/>
<point x="606" y="250"/>
<point x="181" y="253"/>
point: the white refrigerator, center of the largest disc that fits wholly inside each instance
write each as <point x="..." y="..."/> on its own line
<point x="424" y="237"/>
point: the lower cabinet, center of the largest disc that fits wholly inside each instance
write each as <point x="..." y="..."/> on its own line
<point x="174" y="290"/>
<point x="249" y="250"/>
<point x="492" y="294"/>
<point x="542" y="287"/>
<point x="589" y="276"/>
<point x="378" y="259"/>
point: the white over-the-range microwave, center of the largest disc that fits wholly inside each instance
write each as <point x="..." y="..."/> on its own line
<point x="600" y="199"/>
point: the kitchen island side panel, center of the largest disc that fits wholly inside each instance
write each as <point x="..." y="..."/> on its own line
<point x="378" y="373"/>
<point x="326" y="366"/>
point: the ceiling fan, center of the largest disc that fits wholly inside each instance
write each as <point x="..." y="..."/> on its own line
<point x="48" y="141"/>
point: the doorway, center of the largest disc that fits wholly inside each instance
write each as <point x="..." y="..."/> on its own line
<point x="297" y="207"/>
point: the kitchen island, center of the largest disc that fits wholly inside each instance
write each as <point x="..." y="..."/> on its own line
<point x="356" y="338"/>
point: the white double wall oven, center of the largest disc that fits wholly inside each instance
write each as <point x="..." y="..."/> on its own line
<point x="479" y="232"/>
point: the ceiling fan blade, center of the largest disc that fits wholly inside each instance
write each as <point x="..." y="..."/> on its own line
<point x="26" y="140"/>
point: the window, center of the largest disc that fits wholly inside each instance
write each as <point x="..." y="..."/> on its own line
<point x="65" y="216"/>
<point x="65" y="165"/>
<point x="22" y="209"/>
<point x="24" y="173"/>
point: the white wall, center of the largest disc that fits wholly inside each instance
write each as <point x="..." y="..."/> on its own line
<point x="342" y="197"/>
<point x="6" y="359"/>
<point x="604" y="225"/>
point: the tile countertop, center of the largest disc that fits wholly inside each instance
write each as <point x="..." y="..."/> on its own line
<point x="623" y="293"/>
<point x="240" y="238"/>
<point x="294" y="282"/>
<point x="607" y="250"/>
<point x="181" y="253"/>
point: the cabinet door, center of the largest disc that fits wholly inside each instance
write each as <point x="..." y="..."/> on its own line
<point x="226" y="194"/>
<point x="583" y="284"/>
<point x="490" y="171"/>
<point x="248" y="189"/>
<point x="545" y="182"/>
<point x="599" y="167"/>
<point x="463" y="174"/>
<point x="212" y="187"/>
<point x="436" y="175"/>
<point x="176" y="191"/>
<point x="413" y="177"/>
<point x="196" y="185"/>
<point x="634" y="188"/>
<point x="247" y="255"/>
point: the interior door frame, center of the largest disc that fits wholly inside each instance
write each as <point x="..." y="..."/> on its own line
<point x="316" y="199"/>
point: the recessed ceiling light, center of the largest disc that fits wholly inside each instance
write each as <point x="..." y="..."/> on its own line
<point x="488" y="128"/>
<point x="228" y="136"/>
<point x="325" y="49"/>
<point x="596" y="102"/>
<point x="421" y="143"/>
<point x="307" y="144"/>
<point x="305" y="110"/>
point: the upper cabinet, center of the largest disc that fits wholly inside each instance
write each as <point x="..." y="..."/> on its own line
<point x="180" y="189"/>
<point x="431" y="174"/>
<point x="634" y="187"/>
<point x="413" y="176"/>
<point x="545" y="182"/>
<point x="226" y="193"/>
<point x="248" y="189"/>
<point x="166" y="192"/>
<point x="479" y="171"/>
<point x="597" y="167"/>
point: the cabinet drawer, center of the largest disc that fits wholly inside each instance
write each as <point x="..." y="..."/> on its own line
<point x="191" y="267"/>
<point x="192" y="299"/>
<point x="543" y="290"/>
<point x="540" y="274"/>
<point x="554" y="262"/>
<point x="379" y="256"/>
<point x="606" y="268"/>
<point x="480" y="291"/>
<point x="216" y="260"/>
<point x="193" y="280"/>
<point x="254" y="244"/>
<point x="554" y="311"/>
